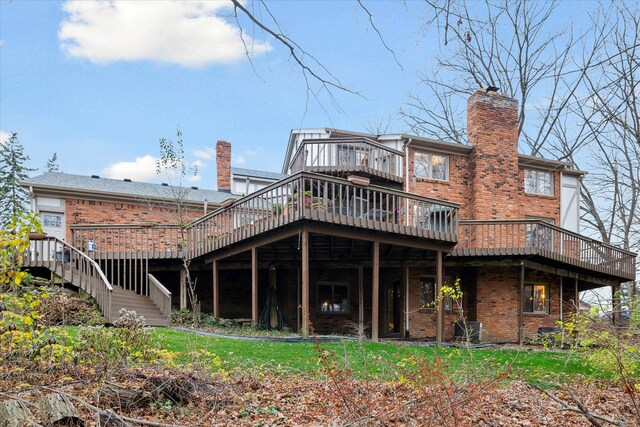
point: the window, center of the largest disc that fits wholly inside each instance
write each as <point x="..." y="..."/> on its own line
<point x="537" y="235"/>
<point x="538" y="182"/>
<point x="333" y="298"/>
<point x="52" y="220"/>
<point x="427" y="288"/>
<point x="431" y="166"/>
<point x="535" y="299"/>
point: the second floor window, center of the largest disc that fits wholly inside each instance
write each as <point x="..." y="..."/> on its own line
<point x="431" y="166"/>
<point x="538" y="182"/>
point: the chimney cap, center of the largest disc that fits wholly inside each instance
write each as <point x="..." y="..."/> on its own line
<point x="491" y="88"/>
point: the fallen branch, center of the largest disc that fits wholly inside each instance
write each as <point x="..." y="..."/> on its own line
<point x="593" y="418"/>
<point x="99" y="411"/>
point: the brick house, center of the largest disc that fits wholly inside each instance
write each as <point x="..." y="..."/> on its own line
<point x="358" y="228"/>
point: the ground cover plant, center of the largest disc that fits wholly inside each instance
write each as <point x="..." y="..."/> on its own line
<point x="173" y="377"/>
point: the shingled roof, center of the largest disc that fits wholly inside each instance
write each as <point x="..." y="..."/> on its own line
<point x="258" y="174"/>
<point x="57" y="181"/>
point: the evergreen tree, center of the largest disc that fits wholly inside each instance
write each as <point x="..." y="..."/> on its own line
<point x="52" y="164"/>
<point x="15" y="198"/>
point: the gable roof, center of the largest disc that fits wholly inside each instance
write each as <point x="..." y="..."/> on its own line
<point x="58" y="182"/>
<point x="253" y="173"/>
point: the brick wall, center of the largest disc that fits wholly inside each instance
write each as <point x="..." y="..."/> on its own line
<point x="455" y="189"/>
<point x="497" y="303"/>
<point x="80" y="211"/>
<point x="489" y="183"/>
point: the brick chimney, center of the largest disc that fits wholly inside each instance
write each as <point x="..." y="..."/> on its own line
<point x="223" y="164"/>
<point x="492" y="128"/>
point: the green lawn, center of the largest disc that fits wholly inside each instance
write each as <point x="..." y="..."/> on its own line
<point x="380" y="360"/>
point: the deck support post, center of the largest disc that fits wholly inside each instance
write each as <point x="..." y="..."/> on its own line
<point x="254" y="287"/>
<point x="183" y="290"/>
<point x="305" y="283"/>
<point x="576" y="295"/>
<point x="360" y="295"/>
<point x="406" y="302"/>
<point x="615" y="300"/>
<point x="521" y="306"/>
<point x="216" y="295"/>
<point x="375" y="292"/>
<point x="440" y="299"/>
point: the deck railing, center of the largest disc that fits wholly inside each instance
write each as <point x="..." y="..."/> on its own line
<point x="116" y="241"/>
<point x="159" y="295"/>
<point x="123" y="251"/>
<point x="325" y="199"/>
<point x="73" y="266"/>
<point x="535" y="237"/>
<point x="352" y="155"/>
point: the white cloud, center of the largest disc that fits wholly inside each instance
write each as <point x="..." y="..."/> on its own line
<point x="188" y="33"/>
<point x="4" y="137"/>
<point x="239" y="160"/>
<point x="251" y="153"/>
<point x="206" y="154"/>
<point x="194" y="178"/>
<point x="141" y="169"/>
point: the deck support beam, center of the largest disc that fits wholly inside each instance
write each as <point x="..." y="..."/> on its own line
<point x="254" y="287"/>
<point x="440" y="299"/>
<point x="216" y="294"/>
<point x="375" y="292"/>
<point x="521" y="306"/>
<point x="305" y="283"/>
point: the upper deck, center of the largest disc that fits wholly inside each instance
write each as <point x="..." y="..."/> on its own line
<point x="345" y="156"/>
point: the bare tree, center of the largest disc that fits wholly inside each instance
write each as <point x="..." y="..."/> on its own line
<point x="607" y="136"/>
<point x="514" y="46"/>
<point x="173" y="163"/>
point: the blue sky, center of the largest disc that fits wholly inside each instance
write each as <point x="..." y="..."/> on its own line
<point x="100" y="86"/>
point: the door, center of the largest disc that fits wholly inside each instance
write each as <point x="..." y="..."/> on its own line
<point x="392" y="309"/>
<point x="53" y="224"/>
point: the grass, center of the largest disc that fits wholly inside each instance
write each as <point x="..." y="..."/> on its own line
<point x="385" y="361"/>
<point x="379" y="360"/>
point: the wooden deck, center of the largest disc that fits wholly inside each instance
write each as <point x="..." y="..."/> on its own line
<point x="345" y="156"/>
<point x="531" y="237"/>
<point x="328" y="200"/>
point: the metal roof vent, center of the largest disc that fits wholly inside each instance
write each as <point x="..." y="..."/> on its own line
<point x="95" y="176"/>
<point x="194" y="188"/>
<point x="164" y="184"/>
<point x="127" y="180"/>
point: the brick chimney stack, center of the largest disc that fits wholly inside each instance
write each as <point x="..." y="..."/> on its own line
<point x="492" y="128"/>
<point x="223" y="164"/>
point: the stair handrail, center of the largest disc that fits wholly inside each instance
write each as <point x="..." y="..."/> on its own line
<point x="103" y="295"/>
<point x="160" y="295"/>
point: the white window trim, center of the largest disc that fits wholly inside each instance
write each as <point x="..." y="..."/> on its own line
<point x="430" y="155"/>
<point x="537" y="171"/>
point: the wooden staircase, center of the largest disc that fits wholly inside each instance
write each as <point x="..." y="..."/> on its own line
<point x="142" y="305"/>
<point x="78" y="269"/>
